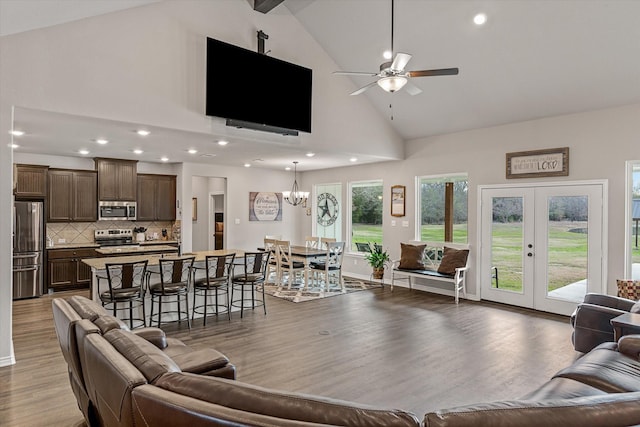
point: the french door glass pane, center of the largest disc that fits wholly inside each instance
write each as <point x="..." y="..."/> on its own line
<point x="567" y="247"/>
<point x="506" y="244"/>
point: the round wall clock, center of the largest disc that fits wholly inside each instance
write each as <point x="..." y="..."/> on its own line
<point x="327" y="209"/>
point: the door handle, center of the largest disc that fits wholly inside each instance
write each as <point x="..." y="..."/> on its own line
<point x="20" y="270"/>
<point x="529" y="254"/>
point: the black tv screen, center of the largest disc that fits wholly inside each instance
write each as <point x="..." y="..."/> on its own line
<point x="253" y="87"/>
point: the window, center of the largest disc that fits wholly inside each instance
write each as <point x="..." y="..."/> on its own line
<point x="433" y="211"/>
<point x="366" y="214"/>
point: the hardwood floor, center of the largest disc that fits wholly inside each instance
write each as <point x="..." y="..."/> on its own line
<point x="407" y="349"/>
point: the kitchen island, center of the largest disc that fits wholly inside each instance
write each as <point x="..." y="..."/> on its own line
<point x="98" y="267"/>
<point x="110" y="251"/>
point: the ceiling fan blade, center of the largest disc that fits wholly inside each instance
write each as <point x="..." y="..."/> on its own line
<point x="439" y="72"/>
<point x="355" y="73"/>
<point x="362" y="89"/>
<point x="412" y="89"/>
<point x="400" y="61"/>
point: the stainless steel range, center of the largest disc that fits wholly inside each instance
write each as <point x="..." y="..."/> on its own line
<point x="114" y="237"/>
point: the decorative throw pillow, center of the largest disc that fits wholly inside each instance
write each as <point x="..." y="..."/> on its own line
<point x="411" y="256"/>
<point x="629" y="289"/>
<point x="452" y="259"/>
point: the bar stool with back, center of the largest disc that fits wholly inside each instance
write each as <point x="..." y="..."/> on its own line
<point x="253" y="275"/>
<point x="218" y="271"/>
<point x="126" y="285"/>
<point x="175" y="276"/>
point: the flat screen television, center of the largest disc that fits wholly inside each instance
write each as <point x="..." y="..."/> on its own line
<point x="252" y="87"/>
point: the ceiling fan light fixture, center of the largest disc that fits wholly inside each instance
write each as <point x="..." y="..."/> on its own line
<point x="392" y="83"/>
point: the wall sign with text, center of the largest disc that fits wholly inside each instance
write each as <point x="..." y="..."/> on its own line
<point x="265" y="206"/>
<point x="538" y="163"/>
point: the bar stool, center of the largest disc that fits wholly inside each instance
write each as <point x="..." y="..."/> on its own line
<point x="175" y="275"/>
<point x="126" y="285"/>
<point x="218" y="270"/>
<point x="255" y="267"/>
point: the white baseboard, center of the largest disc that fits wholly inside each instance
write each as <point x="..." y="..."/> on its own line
<point x="7" y="360"/>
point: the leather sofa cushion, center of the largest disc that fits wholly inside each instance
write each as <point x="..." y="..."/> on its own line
<point x="198" y="361"/>
<point x="605" y="369"/>
<point x="86" y="308"/>
<point x="155" y="336"/>
<point x="604" y="410"/>
<point x="562" y="388"/>
<point x="153" y="406"/>
<point x="282" y="404"/>
<point x="107" y="322"/>
<point x="146" y="357"/>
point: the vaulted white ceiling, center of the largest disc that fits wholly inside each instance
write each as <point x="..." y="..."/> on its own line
<point x="532" y="59"/>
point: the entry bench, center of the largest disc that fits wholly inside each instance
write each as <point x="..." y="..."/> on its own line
<point x="431" y="259"/>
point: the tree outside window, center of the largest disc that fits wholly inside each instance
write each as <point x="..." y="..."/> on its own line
<point x="432" y="205"/>
<point x="366" y="214"/>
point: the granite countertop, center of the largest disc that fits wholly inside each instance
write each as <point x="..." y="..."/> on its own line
<point x="135" y="250"/>
<point x="99" y="263"/>
<point x="73" y="246"/>
<point x="158" y="242"/>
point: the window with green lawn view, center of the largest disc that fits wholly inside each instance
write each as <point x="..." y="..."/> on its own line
<point x="366" y="214"/>
<point x="433" y="207"/>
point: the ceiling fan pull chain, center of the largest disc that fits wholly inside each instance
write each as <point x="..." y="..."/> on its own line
<point x="392" y="51"/>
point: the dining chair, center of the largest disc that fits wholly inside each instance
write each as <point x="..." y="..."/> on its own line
<point x="126" y="285"/>
<point x="173" y="287"/>
<point x="218" y="270"/>
<point x="324" y="241"/>
<point x="272" y="263"/>
<point x="331" y="265"/>
<point x="252" y="277"/>
<point x="286" y="263"/>
<point x="312" y="242"/>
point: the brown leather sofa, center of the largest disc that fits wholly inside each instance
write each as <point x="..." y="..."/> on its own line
<point x="591" y="319"/>
<point x="131" y="382"/>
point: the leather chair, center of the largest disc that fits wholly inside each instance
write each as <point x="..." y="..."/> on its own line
<point x="591" y="320"/>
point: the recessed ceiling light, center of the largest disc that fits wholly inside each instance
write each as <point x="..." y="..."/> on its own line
<point x="102" y="141"/>
<point x="192" y="151"/>
<point x="14" y="146"/>
<point x="143" y="132"/>
<point x="353" y="159"/>
<point x="386" y="54"/>
<point x="138" y="151"/>
<point x="247" y="165"/>
<point x="480" y="19"/>
<point x="164" y="159"/>
<point x="16" y="132"/>
<point x="310" y="154"/>
<point x="222" y="142"/>
<point x="288" y="168"/>
<point x="83" y="152"/>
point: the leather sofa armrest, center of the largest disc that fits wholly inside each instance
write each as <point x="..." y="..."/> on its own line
<point x="609" y="301"/>
<point x="590" y="313"/>
<point x="629" y="345"/>
<point x="155" y="336"/>
<point x="610" y="409"/>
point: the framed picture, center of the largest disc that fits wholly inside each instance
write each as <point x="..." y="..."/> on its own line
<point x="265" y="206"/>
<point x="397" y="200"/>
<point x="194" y="209"/>
<point x="538" y="163"/>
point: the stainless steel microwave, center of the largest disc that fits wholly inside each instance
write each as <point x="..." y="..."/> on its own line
<point x="117" y="211"/>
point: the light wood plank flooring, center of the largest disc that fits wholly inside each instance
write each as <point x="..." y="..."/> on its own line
<point x="407" y="349"/>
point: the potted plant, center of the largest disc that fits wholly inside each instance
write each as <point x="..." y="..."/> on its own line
<point x="377" y="257"/>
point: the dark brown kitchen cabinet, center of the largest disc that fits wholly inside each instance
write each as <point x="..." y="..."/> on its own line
<point x="30" y="180"/>
<point x="117" y="179"/>
<point x="65" y="270"/>
<point x="156" y="197"/>
<point x="72" y="196"/>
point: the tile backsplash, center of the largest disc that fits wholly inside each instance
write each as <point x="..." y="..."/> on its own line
<point x="83" y="232"/>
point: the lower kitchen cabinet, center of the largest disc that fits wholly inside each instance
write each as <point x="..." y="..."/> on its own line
<point x="65" y="270"/>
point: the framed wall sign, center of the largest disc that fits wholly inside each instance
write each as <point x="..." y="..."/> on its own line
<point x="397" y="200"/>
<point x="265" y="206"/>
<point x="538" y="163"/>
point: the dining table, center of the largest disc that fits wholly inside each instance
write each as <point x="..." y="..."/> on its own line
<point x="306" y="254"/>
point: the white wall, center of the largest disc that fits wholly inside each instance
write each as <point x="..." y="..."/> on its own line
<point x="200" y="227"/>
<point x="599" y="142"/>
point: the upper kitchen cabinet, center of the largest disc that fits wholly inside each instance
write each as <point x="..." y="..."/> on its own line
<point x="156" y="197"/>
<point x="117" y="180"/>
<point x="72" y="195"/>
<point x="30" y="181"/>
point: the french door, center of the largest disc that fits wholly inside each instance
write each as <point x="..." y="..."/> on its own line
<point x="542" y="246"/>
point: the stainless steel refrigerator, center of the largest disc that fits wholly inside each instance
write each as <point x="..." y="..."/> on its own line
<point x="28" y="237"/>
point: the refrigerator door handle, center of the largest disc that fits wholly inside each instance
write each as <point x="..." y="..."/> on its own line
<point x="33" y="255"/>
<point x="20" y="270"/>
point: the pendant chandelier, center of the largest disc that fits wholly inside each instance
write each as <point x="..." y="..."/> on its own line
<point x="295" y="197"/>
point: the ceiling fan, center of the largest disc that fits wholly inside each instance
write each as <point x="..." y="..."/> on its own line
<point x="392" y="75"/>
